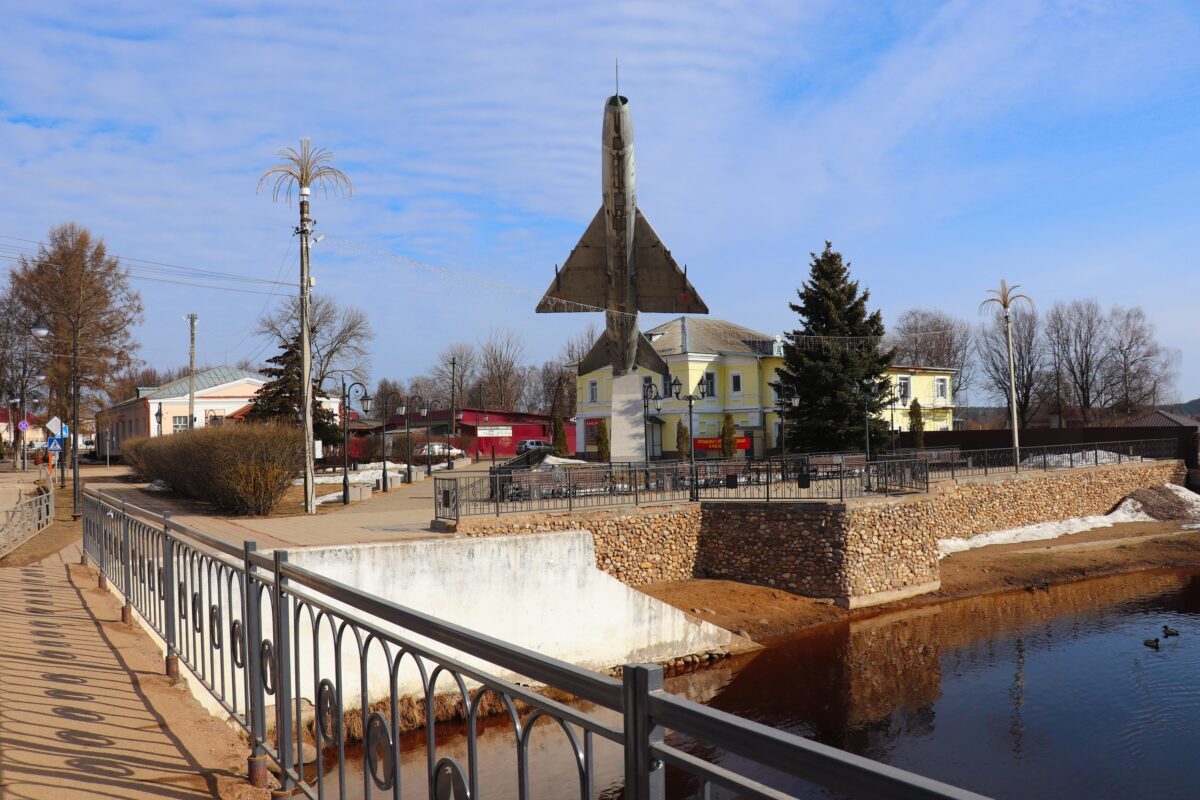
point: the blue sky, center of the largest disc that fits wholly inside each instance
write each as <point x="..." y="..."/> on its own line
<point x="939" y="145"/>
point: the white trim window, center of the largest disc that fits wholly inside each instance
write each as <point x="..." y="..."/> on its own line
<point x="593" y="391"/>
<point x="710" y="384"/>
<point x="178" y="424"/>
<point x="735" y="383"/>
<point x="904" y="390"/>
<point x="941" y="389"/>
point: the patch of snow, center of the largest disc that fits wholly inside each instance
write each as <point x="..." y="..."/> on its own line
<point x="1187" y="496"/>
<point x="1127" y="511"/>
<point x="336" y="497"/>
<point x="1078" y="458"/>
<point x="159" y="486"/>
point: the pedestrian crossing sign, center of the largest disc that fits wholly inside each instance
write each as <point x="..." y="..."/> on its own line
<point x="55" y="446"/>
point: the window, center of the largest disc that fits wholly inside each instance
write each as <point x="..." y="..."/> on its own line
<point x="593" y="392"/>
<point x="735" y="383"/>
<point x="666" y="387"/>
<point x="178" y="424"/>
<point x="710" y="384"/>
<point x="941" y="388"/>
<point x="904" y="390"/>
<point x="647" y="382"/>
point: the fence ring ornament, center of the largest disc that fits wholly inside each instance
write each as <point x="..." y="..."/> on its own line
<point x="236" y="654"/>
<point x="182" y="601"/>
<point x="329" y="722"/>
<point x="379" y="752"/>
<point x="214" y="626"/>
<point x="197" y="617"/>
<point x="449" y="781"/>
<point x="267" y="656"/>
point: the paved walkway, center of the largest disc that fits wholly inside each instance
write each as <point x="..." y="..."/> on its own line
<point x="84" y="708"/>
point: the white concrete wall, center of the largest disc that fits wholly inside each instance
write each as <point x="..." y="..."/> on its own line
<point x="541" y="591"/>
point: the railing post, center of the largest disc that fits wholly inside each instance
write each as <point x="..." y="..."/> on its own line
<point x="570" y="492"/>
<point x="842" y="483"/>
<point x="126" y="568"/>
<point x="170" y="592"/>
<point x="256" y="762"/>
<point x="633" y="478"/>
<point x="283" y="674"/>
<point x="496" y="492"/>
<point x="644" y="773"/>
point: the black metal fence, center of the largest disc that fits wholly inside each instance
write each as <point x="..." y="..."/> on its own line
<point x="811" y="476"/>
<point x="265" y="638"/>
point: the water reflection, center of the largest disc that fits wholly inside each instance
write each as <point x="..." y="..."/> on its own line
<point x="1022" y="695"/>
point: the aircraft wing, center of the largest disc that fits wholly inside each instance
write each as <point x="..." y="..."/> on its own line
<point x="661" y="284"/>
<point x="599" y="356"/>
<point x="582" y="283"/>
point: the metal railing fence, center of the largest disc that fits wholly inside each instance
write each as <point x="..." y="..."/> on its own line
<point x="807" y="476"/>
<point x="27" y="518"/>
<point x="265" y="636"/>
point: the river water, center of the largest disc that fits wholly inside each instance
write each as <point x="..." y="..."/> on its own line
<point x="1021" y="695"/>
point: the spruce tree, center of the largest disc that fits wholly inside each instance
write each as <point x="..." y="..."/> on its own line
<point x="728" y="437"/>
<point x="833" y="360"/>
<point x="279" y="398"/>
<point x="683" y="439"/>
<point x="916" y="424"/>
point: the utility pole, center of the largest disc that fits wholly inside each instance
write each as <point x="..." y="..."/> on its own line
<point x="306" y="388"/>
<point x="450" y="423"/>
<point x="191" y="318"/>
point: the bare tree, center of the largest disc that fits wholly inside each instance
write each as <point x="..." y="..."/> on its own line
<point x="1079" y="343"/>
<point x="1029" y="361"/>
<point x="501" y="358"/>
<point x="73" y="280"/>
<point x="340" y="335"/>
<point x="126" y="385"/>
<point x="1139" y="372"/>
<point x="463" y="373"/>
<point x="391" y="393"/>
<point x="928" y="337"/>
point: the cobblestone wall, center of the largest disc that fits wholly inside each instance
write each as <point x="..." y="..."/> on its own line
<point x="882" y="547"/>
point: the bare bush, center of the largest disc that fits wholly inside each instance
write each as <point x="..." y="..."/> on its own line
<point x="239" y="469"/>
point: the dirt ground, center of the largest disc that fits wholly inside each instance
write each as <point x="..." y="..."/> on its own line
<point x="762" y="612"/>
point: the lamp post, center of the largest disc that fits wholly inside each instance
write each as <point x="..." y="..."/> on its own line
<point x="158" y="418"/>
<point x="365" y="402"/>
<point x="406" y="407"/>
<point x="386" y="401"/>
<point x="649" y="395"/>
<point x="41" y="330"/>
<point x="426" y="412"/>
<point x="785" y="397"/>
<point x="1005" y="297"/>
<point x="677" y="391"/>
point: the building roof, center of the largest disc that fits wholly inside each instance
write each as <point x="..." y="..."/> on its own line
<point x="1160" y="419"/>
<point x="208" y="379"/>
<point x="708" y="335"/>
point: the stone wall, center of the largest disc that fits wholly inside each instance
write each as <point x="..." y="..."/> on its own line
<point x="861" y="552"/>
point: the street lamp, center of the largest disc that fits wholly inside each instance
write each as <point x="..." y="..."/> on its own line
<point x="426" y="412"/>
<point x="405" y="409"/>
<point x="41" y="330"/>
<point x="365" y="402"/>
<point x="677" y="391"/>
<point x="649" y="395"/>
<point x="386" y="401"/>
<point x="1005" y="297"/>
<point x="785" y="398"/>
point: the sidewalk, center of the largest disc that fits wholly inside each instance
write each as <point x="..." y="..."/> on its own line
<point x="85" y="710"/>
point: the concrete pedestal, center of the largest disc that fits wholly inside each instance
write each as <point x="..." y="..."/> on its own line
<point x="627" y="431"/>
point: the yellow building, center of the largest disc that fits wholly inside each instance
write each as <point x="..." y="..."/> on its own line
<point x="736" y="366"/>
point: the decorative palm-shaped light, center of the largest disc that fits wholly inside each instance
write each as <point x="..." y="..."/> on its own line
<point x="1005" y="297"/>
<point x="305" y="168"/>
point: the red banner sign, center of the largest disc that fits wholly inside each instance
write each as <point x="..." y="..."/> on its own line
<point x="714" y="443"/>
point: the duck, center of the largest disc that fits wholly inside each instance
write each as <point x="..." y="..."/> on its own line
<point x="1169" y="631"/>
<point x="1152" y="643"/>
<point x="1044" y="586"/>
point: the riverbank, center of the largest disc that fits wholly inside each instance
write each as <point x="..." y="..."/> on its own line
<point x="763" y="612"/>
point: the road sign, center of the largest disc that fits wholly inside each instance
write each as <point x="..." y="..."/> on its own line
<point x="55" y="426"/>
<point x="55" y="446"/>
<point x="23" y="425"/>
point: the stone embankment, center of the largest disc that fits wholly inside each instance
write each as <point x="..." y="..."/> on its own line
<point x="861" y="552"/>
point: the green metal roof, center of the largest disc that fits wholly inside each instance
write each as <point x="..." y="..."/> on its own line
<point x="208" y="379"/>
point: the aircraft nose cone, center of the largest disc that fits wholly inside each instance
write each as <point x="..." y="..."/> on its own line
<point x="616" y="101"/>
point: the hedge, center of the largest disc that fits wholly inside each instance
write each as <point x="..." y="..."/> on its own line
<point x="239" y="469"/>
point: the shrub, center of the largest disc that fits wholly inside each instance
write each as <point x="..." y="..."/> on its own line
<point x="728" y="437"/>
<point x="131" y="454"/>
<point x="916" y="424"/>
<point x="602" y="444"/>
<point x="239" y="469"/>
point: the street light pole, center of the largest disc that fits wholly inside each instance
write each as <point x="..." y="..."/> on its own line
<point x="366" y="407"/>
<point x="1005" y="297"/>
<point x="386" y="401"/>
<point x="677" y="391"/>
<point x="427" y="412"/>
<point x="406" y="407"/>
<point x="649" y="395"/>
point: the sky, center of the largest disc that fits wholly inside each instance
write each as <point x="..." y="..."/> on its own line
<point x="940" y="146"/>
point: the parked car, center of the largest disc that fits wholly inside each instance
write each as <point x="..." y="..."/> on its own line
<point x="436" y="449"/>
<point x="526" y="445"/>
